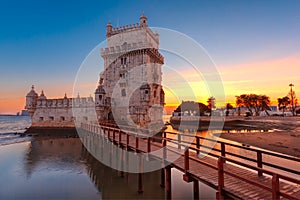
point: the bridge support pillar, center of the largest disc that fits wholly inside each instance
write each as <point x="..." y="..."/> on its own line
<point x="140" y="183"/>
<point x="168" y="185"/>
<point x="162" y="178"/>
<point x="196" y="189"/>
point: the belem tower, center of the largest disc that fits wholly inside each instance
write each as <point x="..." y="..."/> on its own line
<point x="129" y="89"/>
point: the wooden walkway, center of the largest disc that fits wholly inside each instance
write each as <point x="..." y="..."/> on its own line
<point x="230" y="177"/>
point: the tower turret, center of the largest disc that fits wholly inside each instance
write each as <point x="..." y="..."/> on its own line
<point x="31" y="101"/>
<point x="108" y="29"/>
<point x="100" y="96"/>
<point x="143" y="20"/>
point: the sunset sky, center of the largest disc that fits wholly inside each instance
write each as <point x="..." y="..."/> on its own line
<point x="254" y="44"/>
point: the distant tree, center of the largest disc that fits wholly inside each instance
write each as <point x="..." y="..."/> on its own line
<point x="283" y="103"/>
<point x="254" y="103"/>
<point x="239" y="104"/>
<point x="264" y="104"/>
<point x="211" y="103"/>
<point x="228" y="107"/>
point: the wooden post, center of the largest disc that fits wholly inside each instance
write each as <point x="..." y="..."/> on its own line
<point x="186" y="160"/>
<point x="198" y="145"/>
<point x="162" y="178"/>
<point x="165" y="146"/>
<point x="114" y="134"/>
<point x="136" y="144"/>
<point x="179" y="140"/>
<point x="168" y="186"/>
<point x="275" y="187"/>
<point x="223" y="149"/>
<point x="196" y="189"/>
<point x="148" y="145"/>
<point x="127" y="141"/>
<point x="140" y="182"/>
<point x="259" y="162"/>
<point x="108" y="133"/>
<point x="221" y="161"/>
<point x="120" y="138"/>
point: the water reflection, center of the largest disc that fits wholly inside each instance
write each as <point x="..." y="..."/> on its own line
<point x="61" y="168"/>
<point x="69" y="156"/>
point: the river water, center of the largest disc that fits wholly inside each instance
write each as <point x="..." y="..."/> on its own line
<point x="61" y="168"/>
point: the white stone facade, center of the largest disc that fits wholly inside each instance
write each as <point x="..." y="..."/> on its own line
<point x="57" y="112"/>
<point x="130" y="86"/>
<point x="129" y="89"/>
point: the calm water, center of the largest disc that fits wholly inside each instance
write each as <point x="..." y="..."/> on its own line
<point x="61" y="168"/>
<point x="10" y="126"/>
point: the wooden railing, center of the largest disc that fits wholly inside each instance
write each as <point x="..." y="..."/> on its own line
<point x="222" y="152"/>
<point x="106" y="129"/>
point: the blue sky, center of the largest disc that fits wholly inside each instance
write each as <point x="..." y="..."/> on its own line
<point x="42" y="41"/>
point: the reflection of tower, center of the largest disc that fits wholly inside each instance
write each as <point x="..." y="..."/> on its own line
<point x="132" y="64"/>
<point x="31" y="101"/>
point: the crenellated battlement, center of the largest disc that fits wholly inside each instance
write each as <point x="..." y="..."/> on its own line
<point x="125" y="48"/>
<point x="116" y="30"/>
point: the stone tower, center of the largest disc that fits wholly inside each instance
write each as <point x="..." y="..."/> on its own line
<point x="130" y="86"/>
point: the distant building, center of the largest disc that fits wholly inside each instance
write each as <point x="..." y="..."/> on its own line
<point x="273" y="108"/>
<point x="25" y="113"/>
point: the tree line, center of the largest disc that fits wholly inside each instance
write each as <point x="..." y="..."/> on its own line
<point x="256" y="104"/>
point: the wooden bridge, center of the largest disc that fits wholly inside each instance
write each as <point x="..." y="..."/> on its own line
<point x="231" y="174"/>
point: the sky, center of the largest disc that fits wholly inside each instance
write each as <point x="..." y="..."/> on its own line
<point x="255" y="45"/>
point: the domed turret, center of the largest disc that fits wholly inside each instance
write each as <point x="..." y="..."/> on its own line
<point x="143" y="20"/>
<point x="66" y="100"/>
<point x="108" y="29"/>
<point x="42" y="96"/>
<point x="100" y="95"/>
<point x="31" y="101"/>
<point x="100" y="90"/>
<point x="32" y="93"/>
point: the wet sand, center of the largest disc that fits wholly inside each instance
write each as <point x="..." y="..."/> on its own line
<point x="284" y="139"/>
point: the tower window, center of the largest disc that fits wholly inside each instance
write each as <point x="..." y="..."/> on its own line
<point x="123" y="61"/>
<point x="146" y="92"/>
<point x="41" y="119"/>
<point x="51" y="118"/>
<point x="123" y="91"/>
<point x="62" y="118"/>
